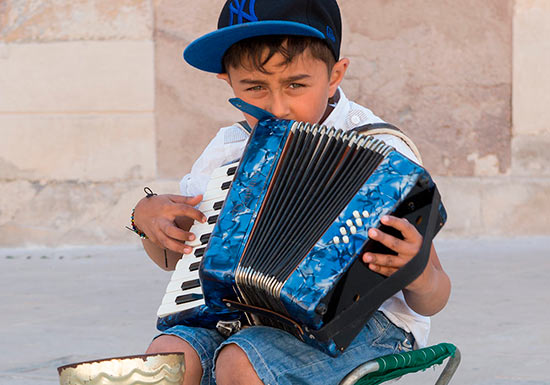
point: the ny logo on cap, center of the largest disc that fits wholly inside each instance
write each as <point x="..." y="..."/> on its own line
<point x="237" y="11"/>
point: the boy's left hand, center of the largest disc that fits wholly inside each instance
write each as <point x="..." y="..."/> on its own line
<point x="406" y="248"/>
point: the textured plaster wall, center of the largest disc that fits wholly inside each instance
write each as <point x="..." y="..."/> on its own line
<point x="77" y="123"/>
<point x="441" y="71"/>
<point x="96" y="102"/>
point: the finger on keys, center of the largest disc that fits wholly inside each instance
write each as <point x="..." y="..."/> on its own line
<point x="176" y="233"/>
<point x="174" y="245"/>
<point x="186" y="207"/>
<point x="193" y="201"/>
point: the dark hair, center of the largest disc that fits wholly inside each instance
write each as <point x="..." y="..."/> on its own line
<point x="250" y="53"/>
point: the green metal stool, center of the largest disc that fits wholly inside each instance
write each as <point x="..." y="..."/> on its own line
<point x="389" y="367"/>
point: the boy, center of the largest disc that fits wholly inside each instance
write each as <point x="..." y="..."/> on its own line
<point x="283" y="56"/>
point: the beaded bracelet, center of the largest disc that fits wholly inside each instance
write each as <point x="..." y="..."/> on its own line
<point x="134" y="228"/>
<point x="148" y="194"/>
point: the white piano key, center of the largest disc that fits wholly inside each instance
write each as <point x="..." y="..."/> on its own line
<point x="175" y="285"/>
<point x="184" y="270"/>
<point x="221" y="171"/>
<point x="208" y="206"/>
<point x="216" y="184"/>
<point x="171" y="308"/>
<point x="184" y="262"/>
<point x="199" y="229"/>
<point x="216" y="194"/>
<point x="171" y="297"/>
<point x="214" y="187"/>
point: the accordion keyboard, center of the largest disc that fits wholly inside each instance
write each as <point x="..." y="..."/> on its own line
<point x="184" y="290"/>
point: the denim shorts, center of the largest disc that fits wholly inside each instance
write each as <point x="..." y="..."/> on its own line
<point x="280" y="358"/>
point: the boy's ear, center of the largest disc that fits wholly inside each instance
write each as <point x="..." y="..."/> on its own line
<point x="224" y="76"/>
<point x="337" y="75"/>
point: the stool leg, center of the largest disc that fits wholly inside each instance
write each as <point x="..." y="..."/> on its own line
<point x="449" y="369"/>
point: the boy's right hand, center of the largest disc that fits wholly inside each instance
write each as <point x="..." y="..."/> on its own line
<point x="165" y="219"/>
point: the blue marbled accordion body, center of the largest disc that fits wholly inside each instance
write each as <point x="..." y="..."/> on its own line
<point x="235" y="270"/>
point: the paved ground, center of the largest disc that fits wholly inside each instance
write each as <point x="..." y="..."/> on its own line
<point x="66" y="305"/>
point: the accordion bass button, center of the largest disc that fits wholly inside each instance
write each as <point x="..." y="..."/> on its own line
<point x="343" y="231"/>
<point x="356" y="214"/>
<point x="321" y="308"/>
<point x="336" y="240"/>
<point x="359" y="222"/>
<point x="345" y="239"/>
<point x="366" y="214"/>
<point x="353" y="229"/>
<point x="349" y="222"/>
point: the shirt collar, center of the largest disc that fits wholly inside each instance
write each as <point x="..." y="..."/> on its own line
<point x="341" y="110"/>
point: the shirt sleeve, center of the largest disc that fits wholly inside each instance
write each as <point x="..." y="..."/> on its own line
<point x="227" y="146"/>
<point x="195" y="182"/>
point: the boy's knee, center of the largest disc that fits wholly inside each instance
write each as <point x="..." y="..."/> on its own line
<point x="172" y="344"/>
<point x="233" y="367"/>
<point x="168" y="344"/>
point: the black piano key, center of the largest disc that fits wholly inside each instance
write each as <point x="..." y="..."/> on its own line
<point x="190" y="284"/>
<point x="205" y="238"/>
<point x="226" y="185"/>
<point x="188" y="298"/>
<point x="231" y="171"/>
<point x="218" y="205"/>
<point x="199" y="252"/>
<point x="194" y="266"/>
<point x="212" y="220"/>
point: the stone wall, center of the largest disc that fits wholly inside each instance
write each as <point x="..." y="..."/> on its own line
<point x="77" y="122"/>
<point x="96" y="102"/>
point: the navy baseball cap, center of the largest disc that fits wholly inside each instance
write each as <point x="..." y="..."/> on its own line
<point x="242" y="19"/>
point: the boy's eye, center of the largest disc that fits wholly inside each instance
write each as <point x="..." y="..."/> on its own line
<point x="296" y="85"/>
<point x="255" y="88"/>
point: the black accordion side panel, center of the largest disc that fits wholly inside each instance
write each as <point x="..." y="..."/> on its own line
<point x="359" y="281"/>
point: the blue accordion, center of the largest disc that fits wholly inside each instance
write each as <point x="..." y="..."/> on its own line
<point x="286" y="248"/>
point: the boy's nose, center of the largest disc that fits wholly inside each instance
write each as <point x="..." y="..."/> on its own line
<point x="279" y="107"/>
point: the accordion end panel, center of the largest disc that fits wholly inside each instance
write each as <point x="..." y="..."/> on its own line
<point x="311" y="286"/>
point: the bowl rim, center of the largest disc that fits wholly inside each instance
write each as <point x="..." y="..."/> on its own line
<point x="75" y="364"/>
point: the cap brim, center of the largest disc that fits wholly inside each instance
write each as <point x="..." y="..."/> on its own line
<point x="206" y="53"/>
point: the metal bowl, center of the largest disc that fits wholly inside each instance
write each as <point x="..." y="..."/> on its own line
<point x="158" y="369"/>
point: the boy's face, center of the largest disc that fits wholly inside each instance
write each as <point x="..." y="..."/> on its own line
<point x="298" y="90"/>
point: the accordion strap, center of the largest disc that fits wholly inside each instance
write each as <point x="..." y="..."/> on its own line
<point x="243" y="125"/>
<point x="356" y="315"/>
<point x="388" y="129"/>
